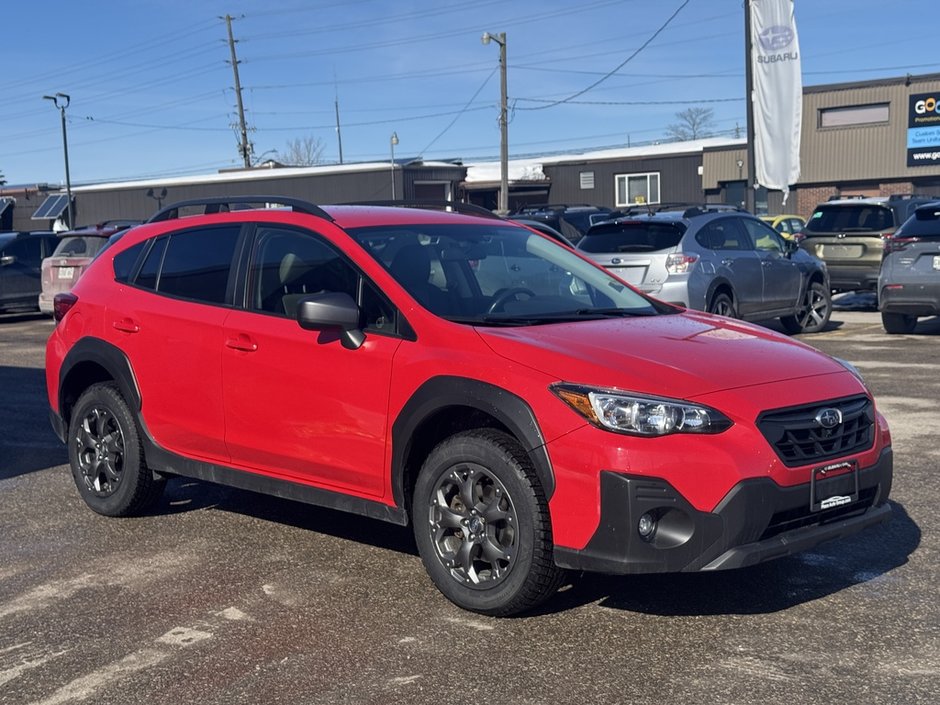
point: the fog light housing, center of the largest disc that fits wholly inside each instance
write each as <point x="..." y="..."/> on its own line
<point x="646" y="526"/>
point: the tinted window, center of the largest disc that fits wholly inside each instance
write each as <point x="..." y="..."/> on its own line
<point x="28" y="251"/>
<point x="925" y="224"/>
<point x="147" y="277"/>
<point x="851" y="218"/>
<point x="723" y="234"/>
<point x="197" y="264"/>
<point x="124" y="261"/>
<point x="632" y="237"/>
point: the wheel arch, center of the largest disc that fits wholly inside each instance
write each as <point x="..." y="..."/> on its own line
<point x="93" y="361"/>
<point x="719" y="285"/>
<point x="445" y="405"/>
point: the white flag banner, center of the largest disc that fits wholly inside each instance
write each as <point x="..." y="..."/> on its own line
<point x="778" y="94"/>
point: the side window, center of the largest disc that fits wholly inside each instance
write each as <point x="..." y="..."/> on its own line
<point x="765" y="238"/>
<point x="784" y="226"/>
<point x="796" y="225"/>
<point x="27" y="251"/>
<point x="722" y="234"/>
<point x="288" y="264"/>
<point x="124" y="261"/>
<point x="150" y="270"/>
<point x="197" y="264"/>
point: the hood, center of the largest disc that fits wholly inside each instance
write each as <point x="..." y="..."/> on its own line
<point x="683" y="355"/>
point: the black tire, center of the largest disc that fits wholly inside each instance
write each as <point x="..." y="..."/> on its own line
<point x="494" y="556"/>
<point x="814" y="314"/>
<point x="106" y="456"/>
<point x="723" y="305"/>
<point x="898" y="322"/>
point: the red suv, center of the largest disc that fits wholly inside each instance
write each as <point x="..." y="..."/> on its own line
<point x="525" y="410"/>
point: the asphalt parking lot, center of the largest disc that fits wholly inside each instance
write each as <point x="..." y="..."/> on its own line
<point x="222" y="597"/>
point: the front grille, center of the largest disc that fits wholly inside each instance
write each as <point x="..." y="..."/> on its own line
<point x="799" y="439"/>
<point x="803" y="516"/>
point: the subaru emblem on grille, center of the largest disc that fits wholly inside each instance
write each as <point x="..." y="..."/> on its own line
<point x="829" y="418"/>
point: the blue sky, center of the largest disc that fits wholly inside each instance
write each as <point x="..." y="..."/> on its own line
<point x="152" y="89"/>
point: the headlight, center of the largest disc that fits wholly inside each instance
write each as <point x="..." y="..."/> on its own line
<point x="640" y="415"/>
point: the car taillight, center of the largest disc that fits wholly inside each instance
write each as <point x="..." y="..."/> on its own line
<point x="680" y="263"/>
<point x="897" y="244"/>
<point x="62" y="304"/>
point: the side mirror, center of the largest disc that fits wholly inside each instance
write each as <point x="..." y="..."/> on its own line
<point x="792" y="246"/>
<point x="332" y="310"/>
<point x="7" y="259"/>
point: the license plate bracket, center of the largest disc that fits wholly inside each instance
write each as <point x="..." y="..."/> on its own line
<point x="833" y="485"/>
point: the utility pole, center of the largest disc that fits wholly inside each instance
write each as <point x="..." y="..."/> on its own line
<point x="244" y="147"/>
<point x="500" y="39"/>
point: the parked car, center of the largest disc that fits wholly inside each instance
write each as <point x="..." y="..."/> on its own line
<point x="73" y="253"/>
<point x="790" y="226"/>
<point x="21" y="255"/>
<point x="848" y="234"/>
<point x="572" y="221"/>
<point x="724" y="261"/>
<point x="543" y="228"/>
<point x="909" y="282"/>
<point x="514" y="402"/>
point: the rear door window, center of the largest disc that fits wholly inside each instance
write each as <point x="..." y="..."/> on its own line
<point x="632" y="237"/>
<point x="724" y="234"/>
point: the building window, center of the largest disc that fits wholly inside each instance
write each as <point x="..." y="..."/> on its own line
<point x="587" y="180"/>
<point x="637" y="188"/>
<point x="850" y="116"/>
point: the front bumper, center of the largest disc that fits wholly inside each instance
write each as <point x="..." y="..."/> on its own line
<point x="757" y="521"/>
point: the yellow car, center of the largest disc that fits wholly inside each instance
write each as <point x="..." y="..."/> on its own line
<point x="786" y="225"/>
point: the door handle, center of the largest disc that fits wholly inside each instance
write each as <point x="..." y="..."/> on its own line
<point x="727" y="262"/>
<point x="241" y="342"/>
<point x="126" y="325"/>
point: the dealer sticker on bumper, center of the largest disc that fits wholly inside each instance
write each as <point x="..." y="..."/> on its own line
<point x="833" y="486"/>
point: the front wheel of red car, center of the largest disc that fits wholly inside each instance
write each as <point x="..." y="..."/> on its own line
<point x="482" y="526"/>
<point x="106" y="456"/>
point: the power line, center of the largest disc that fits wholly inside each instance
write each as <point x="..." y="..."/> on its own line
<point x="622" y="64"/>
<point x="462" y="111"/>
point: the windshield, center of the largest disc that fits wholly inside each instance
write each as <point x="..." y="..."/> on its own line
<point x="854" y="218"/>
<point x="632" y="237"/>
<point x="499" y="275"/>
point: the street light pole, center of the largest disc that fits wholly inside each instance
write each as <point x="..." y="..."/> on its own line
<point x="393" y="141"/>
<point x="500" y="39"/>
<point x="65" y="146"/>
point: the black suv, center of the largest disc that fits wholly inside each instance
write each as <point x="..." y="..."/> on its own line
<point x="848" y="234"/>
<point x="21" y="254"/>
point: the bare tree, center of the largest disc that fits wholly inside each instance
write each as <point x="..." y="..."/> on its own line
<point x="303" y="151"/>
<point x="694" y="123"/>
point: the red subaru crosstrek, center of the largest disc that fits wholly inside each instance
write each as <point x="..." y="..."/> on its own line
<point x="525" y="410"/>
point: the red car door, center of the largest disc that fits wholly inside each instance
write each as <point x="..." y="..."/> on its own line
<point x="298" y="405"/>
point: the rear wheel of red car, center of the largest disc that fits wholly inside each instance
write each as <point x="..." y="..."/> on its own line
<point x="898" y="322"/>
<point x="722" y="305"/>
<point x="106" y="456"/>
<point x="814" y="313"/>
<point x="482" y="526"/>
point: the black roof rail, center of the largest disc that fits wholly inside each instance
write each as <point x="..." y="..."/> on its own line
<point x="223" y="204"/>
<point x="430" y="204"/>
<point x="910" y="196"/>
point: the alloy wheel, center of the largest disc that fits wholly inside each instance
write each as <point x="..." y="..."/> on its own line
<point x="100" y="451"/>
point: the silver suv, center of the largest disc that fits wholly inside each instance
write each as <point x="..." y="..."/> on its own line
<point x="909" y="282"/>
<point x="726" y="262"/>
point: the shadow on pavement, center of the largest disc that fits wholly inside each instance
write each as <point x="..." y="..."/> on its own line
<point x="771" y="587"/>
<point x="27" y="443"/>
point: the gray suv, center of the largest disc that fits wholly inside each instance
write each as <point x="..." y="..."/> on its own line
<point x="909" y="282"/>
<point x="725" y="262"/>
<point x="848" y="234"/>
